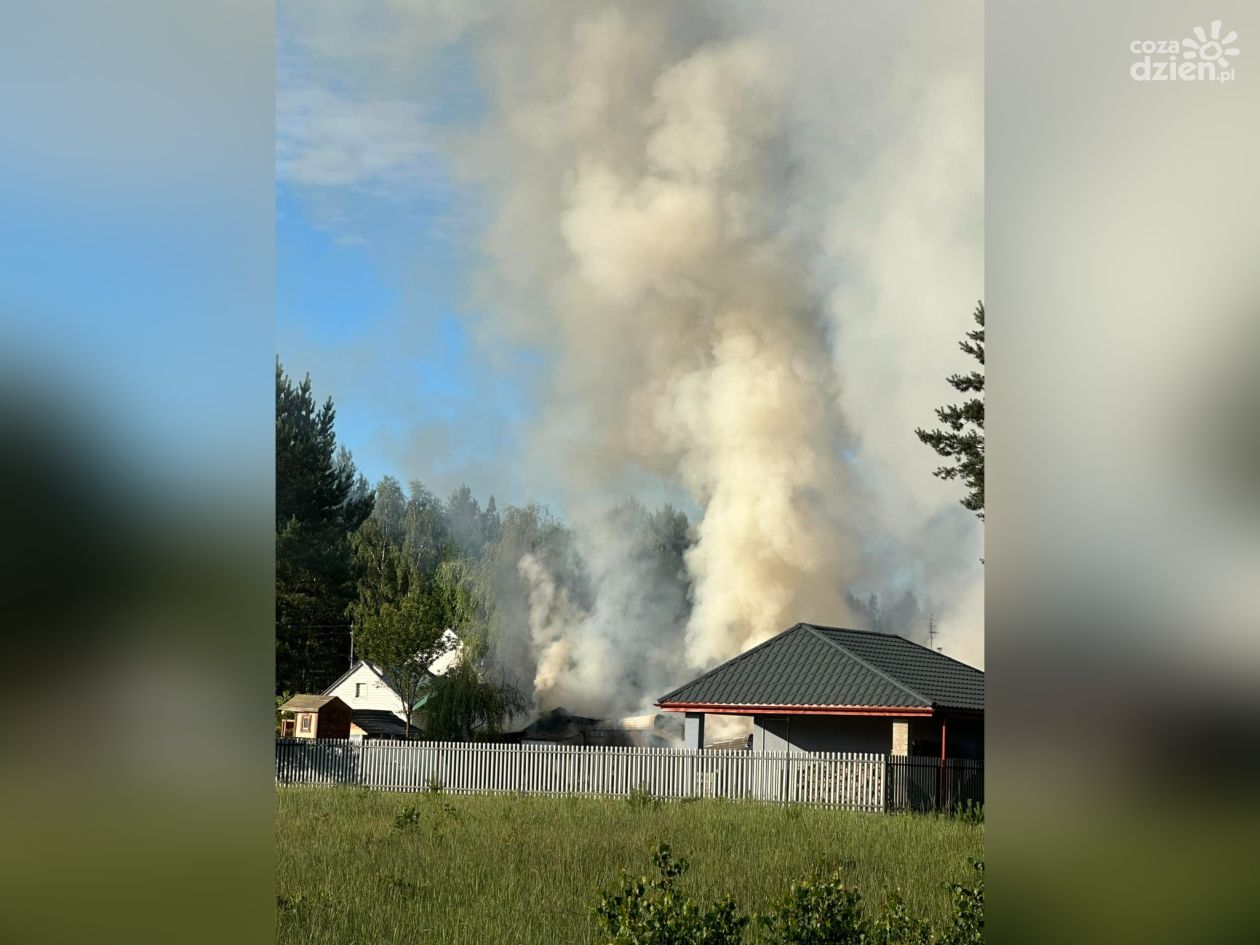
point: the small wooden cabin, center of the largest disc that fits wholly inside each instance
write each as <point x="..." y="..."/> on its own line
<point x="309" y="716"/>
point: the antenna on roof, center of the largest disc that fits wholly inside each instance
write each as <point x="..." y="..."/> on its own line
<point x="932" y="632"/>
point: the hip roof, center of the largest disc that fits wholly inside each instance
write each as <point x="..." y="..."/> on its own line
<point x="819" y="668"/>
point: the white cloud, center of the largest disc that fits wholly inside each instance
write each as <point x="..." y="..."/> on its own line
<point x="324" y="139"/>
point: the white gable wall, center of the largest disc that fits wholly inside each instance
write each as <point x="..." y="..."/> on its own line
<point x="372" y="691"/>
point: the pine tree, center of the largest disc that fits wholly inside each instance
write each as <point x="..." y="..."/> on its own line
<point x="962" y="440"/>
<point x="320" y="500"/>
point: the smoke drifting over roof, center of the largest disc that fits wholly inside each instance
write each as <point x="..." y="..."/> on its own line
<point x="747" y="248"/>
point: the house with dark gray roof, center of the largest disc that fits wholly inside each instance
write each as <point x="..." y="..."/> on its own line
<point x="814" y="688"/>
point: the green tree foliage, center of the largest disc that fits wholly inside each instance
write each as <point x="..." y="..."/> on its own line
<point x="494" y="580"/>
<point x="469" y="526"/>
<point x="400" y="616"/>
<point x="428" y="538"/>
<point x="390" y="510"/>
<point x="471" y="700"/>
<point x="320" y="501"/>
<point x="961" y="441"/>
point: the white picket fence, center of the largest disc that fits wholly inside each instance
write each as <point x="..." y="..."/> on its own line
<point x="848" y="780"/>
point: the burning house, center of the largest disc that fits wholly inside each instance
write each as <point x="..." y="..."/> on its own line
<point x="560" y="727"/>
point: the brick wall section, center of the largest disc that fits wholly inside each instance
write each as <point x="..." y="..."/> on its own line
<point x="901" y="737"/>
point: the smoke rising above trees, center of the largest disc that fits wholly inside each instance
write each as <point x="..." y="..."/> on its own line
<point x="529" y="599"/>
<point x="737" y="241"/>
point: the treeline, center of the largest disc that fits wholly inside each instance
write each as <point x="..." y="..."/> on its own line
<point x="397" y="567"/>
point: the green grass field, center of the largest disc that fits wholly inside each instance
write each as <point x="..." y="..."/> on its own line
<point x="515" y="870"/>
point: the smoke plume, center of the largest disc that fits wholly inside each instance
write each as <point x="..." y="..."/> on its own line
<point x="746" y="239"/>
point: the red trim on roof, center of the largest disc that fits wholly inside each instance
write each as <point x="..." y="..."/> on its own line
<point x="709" y="709"/>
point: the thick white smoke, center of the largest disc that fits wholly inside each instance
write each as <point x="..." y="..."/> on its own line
<point x="687" y="340"/>
<point x="747" y="238"/>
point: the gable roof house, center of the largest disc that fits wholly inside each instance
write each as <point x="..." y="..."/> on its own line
<point x="814" y="688"/>
<point x="374" y="700"/>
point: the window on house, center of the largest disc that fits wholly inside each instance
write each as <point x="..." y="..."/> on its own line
<point x="306" y="721"/>
<point x="358" y="689"/>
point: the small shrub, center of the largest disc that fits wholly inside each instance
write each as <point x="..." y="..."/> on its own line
<point x="818" y="912"/>
<point x="969" y="812"/>
<point x="641" y="798"/>
<point x="434" y="785"/>
<point x="968" y="927"/>
<point x="814" y="912"/>
<point x="897" y="927"/>
<point x="654" y="912"/>
<point x="408" y="819"/>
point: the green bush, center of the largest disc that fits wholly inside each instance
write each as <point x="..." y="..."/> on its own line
<point x="821" y="912"/>
<point x="970" y="812"/>
<point x="653" y="911"/>
<point x="898" y="927"/>
<point x="814" y="912"/>
<point x="408" y="818"/>
<point x="968" y="927"/>
<point x="640" y="798"/>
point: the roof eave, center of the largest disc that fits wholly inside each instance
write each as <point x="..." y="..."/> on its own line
<point x="885" y="711"/>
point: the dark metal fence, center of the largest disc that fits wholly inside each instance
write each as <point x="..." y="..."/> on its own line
<point x="929" y="784"/>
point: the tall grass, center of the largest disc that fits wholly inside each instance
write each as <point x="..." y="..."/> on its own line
<point x="357" y="866"/>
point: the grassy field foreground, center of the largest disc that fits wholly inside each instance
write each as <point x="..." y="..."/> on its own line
<point x="516" y="870"/>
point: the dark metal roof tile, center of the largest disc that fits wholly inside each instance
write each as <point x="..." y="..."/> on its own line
<point x="807" y="665"/>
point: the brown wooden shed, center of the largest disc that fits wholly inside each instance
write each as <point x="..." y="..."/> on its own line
<point x="315" y="717"/>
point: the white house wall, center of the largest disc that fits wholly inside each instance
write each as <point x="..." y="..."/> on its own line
<point x="374" y="693"/>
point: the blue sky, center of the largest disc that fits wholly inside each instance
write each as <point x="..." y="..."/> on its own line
<point x="375" y="246"/>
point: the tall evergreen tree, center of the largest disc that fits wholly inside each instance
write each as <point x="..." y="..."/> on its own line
<point x="490" y="523"/>
<point x="464" y="519"/>
<point x="320" y="500"/>
<point x="962" y="440"/>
